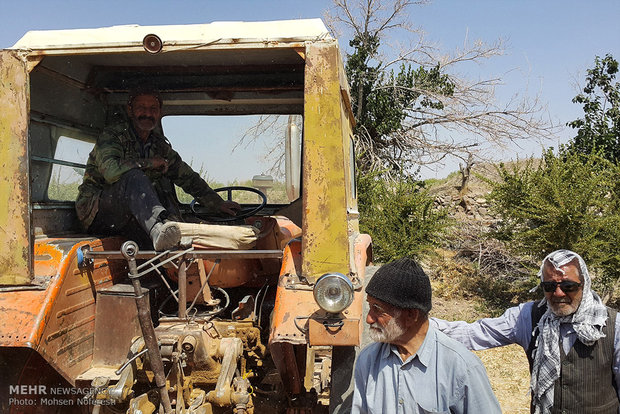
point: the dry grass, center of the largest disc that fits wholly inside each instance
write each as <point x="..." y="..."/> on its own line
<point x="509" y="375"/>
<point x="506" y="366"/>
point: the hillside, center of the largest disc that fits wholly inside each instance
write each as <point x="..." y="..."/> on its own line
<point x="474" y="278"/>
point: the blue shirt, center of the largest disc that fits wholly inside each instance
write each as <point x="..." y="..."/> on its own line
<point x="515" y="327"/>
<point x="442" y="377"/>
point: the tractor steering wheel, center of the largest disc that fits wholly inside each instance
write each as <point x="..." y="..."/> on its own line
<point x="243" y="213"/>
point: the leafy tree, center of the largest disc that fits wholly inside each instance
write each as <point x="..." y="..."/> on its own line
<point x="568" y="201"/>
<point x="410" y="106"/>
<point x="412" y="109"/>
<point x="400" y="216"/>
<point x="381" y="101"/>
<point x="599" y="129"/>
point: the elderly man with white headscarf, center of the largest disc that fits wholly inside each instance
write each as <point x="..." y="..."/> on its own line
<point x="572" y="340"/>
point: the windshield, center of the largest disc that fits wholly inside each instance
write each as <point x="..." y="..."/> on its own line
<point x="248" y="150"/>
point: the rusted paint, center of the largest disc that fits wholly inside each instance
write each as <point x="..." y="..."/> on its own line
<point x="363" y="253"/>
<point x="15" y="248"/>
<point x="349" y="334"/>
<point x="294" y="307"/>
<point x="47" y="258"/>
<point x="291" y="259"/>
<point x="59" y="321"/>
<point x="320" y="332"/>
<point x="73" y="314"/>
<point x="81" y="288"/>
<point x="20" y="313"/>
<point x="26" y="312"/>
<point x="63" y="331"/>
<point x="73" y="344"/>
<point x="284" y="358"/>
<point x="325" y="242"/>
<point x="70" y="309"/>
<point x="81" y="357"/>
<point x="290" y="303"/>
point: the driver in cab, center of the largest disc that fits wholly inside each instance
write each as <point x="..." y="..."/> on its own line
<point x="127" y="187"/>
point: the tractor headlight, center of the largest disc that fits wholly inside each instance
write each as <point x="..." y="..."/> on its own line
<point x="333" y="292"/>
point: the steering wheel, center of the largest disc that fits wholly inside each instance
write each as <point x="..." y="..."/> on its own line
<point x="243" y="213"/>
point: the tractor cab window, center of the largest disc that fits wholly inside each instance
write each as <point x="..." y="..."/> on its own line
<point x="68" y="164"/>
<point x="250" y="151"/>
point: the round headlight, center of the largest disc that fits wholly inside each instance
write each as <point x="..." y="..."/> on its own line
<point x="333" y="292"/>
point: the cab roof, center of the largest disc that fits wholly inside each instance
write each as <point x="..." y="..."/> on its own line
<point x="284" y="31"/>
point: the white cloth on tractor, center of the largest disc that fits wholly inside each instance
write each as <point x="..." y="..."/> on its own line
<point x="242" y="237"/>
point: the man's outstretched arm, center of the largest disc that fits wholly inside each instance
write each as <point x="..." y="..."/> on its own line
<point x="514" y="326"/>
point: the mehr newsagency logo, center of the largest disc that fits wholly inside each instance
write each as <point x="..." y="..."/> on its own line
<point x="43" y="395"/>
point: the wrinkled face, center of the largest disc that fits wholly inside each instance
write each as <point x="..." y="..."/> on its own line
<point x="385" y="321"/>
<point x="563" y="303"/>
<point x="145" y="112"/>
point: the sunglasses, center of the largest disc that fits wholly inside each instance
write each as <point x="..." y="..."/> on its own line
<point x="566" y="286"/>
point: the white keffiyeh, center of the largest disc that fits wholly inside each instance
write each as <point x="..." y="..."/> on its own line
<point x="588" y="322"/>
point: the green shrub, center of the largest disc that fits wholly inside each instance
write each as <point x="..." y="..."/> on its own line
<point x="399" y="215"/>
<point x="569" y="201"/>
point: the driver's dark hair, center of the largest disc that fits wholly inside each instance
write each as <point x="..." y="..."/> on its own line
<point x="144" y="90"/>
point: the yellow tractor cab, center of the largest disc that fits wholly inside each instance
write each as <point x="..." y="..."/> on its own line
<point x="258" y="314"/>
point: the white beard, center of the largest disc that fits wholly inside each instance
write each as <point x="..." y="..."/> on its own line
<point x="388" y="333"/>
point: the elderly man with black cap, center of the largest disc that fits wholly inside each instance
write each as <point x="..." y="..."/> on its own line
<point x="570" y="337"/>
<point x="414" y="368"/>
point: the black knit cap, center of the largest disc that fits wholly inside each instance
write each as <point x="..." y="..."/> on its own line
<point x="402" y="283"/>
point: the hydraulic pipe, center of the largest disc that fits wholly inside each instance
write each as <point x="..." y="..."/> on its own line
<point x="182" y="275"/>
<point x="129" y="250"/>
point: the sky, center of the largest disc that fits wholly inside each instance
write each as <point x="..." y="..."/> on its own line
<point x="550" y="43"/>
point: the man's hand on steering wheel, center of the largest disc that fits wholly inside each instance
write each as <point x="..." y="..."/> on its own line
<point x="230" y="207"/>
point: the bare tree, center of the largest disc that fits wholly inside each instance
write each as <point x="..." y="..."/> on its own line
<point x="465" y="170"/>
<point x="271" y="129"/>
<point x="463" y="120"/>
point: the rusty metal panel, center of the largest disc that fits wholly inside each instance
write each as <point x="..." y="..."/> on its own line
<point x="290" y="315"/>
<point x="323" y="330"/>
<point x="24" y="311"/>
<point x="325" y="244"/>
<point x="296" y="311"/>
<point x="290" y="303"/>
<point x="21" y="316"/>
<point x="67" y="338"/>
<point x="58" y="318"/>
<point x="326" y="332"/>
<point x="285" y="359"/>
<point x="15" y="247"/>
<point x="116" y="324"/>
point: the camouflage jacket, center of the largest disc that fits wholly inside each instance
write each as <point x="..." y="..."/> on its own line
<point x="118" y="150"/>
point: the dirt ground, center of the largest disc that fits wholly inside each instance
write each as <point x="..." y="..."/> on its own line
<point x="506" y="366"/>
